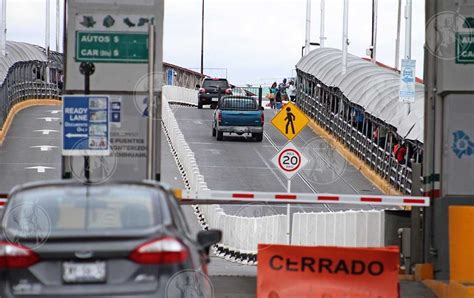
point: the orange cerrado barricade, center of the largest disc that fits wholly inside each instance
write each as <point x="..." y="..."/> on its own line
<point x="326" y="272"/>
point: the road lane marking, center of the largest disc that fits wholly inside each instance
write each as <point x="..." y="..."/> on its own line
<point x="40" y="169"/>
<point x="283" y="184"/>
<point x="46" y="131"/>
<point x="55" y="111"/>
<point x="44" y="148"/>
<point x="49" y="119"/>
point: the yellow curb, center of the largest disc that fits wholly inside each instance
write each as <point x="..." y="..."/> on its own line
<point x="359" y="164"/>
<point x="423" y="272"/>
<point x="21" y="106"/>
<point x="452" y="289"/>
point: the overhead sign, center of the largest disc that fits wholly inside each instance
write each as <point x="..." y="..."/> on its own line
<point x="465" y="48"/>
<point x="290" y="121"/>
<point x="86" y="125"/>
<point x="124" y="47"/>
<point x="290" y="160"/>
<point x="408" y="81"/>
<point x="303" y="271"/>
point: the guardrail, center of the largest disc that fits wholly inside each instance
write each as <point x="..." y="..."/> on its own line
<point x="369" y="138"/>
<point x="25" y="80"/>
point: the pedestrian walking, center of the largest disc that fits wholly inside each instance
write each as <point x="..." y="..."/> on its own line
<point x="292" y="91"/>
<point x="271" y="96"/>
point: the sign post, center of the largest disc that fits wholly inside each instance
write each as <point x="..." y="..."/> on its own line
<point x="408" y="82"/>
<point x="114" y="36"/>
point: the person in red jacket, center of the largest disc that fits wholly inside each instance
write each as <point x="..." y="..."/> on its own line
<point x="399" y="151"/>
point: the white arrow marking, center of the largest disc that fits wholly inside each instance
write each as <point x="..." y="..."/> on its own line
<point x="49" y="119"/>
<point x="40" y="169"/>
<point x="44" y="147"/>
<point x="55" y="112"/>
<point x="46" y="131"/>
<point x="76" y="135"/>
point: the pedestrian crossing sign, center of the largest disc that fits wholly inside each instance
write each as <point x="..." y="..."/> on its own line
<point x="290" y="121"/>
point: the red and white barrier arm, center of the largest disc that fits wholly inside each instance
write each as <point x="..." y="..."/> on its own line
<point x="3" y="200"/>
<point x="242" y="197"/>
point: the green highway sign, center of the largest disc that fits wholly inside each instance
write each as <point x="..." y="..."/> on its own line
<point x="465" y="48"/>
<point x="112" y="47"/>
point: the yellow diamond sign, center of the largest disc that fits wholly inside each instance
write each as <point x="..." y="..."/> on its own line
<point x="290" y="121"/>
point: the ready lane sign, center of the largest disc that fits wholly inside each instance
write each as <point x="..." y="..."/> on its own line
<point x="408" y="81"/>
<point x="289" y="160"/>
<point x="290" y="120"/>
<point x="86" y="125"/>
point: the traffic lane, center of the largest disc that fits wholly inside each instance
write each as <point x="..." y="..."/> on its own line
<point x="27" y="154"/>
<point x="239" y="163"/>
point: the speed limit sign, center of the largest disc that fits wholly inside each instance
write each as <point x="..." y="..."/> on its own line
<point x="289" y="160"/>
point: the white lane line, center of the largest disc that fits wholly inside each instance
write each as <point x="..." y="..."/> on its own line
<point x="283" y="184"/>
<point x="54" y="112"/>
<point x="46" y="131"/>
<point x="40" y="169"/>
<point x="49" y="119"/>
<point x="44" y="148"/>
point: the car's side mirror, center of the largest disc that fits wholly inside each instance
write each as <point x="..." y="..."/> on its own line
<point x="208" y="238"/>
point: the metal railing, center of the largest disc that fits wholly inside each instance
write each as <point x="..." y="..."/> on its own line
<point x="25" y="80"/>
<point x="355" y="128"/>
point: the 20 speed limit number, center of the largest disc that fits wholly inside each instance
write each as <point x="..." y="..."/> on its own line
<point x="289" y="160"/>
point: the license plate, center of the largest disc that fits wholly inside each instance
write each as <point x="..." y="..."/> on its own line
<point x="215" y="99"/>
<point x="84" y="272"/>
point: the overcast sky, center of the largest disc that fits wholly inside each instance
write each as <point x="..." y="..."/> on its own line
<point x="252" y="40"/>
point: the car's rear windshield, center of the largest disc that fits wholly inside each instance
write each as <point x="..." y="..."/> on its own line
<point x="223" y="84"/>
<point x="82" y="210"/>
<point x="239" y="104"/>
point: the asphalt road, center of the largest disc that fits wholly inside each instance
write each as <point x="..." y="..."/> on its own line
<point x="240" y="163"/>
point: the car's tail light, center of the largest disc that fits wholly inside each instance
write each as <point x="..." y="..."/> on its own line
<point x="16" y="256"/>
<point x="202" y="90"/>
<point x="228" y="91"/>
<point x="219" y="117"/>
<point x="162" y="251"/>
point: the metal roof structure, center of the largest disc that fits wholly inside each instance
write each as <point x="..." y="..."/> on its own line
<point x="374" y="88"/>
<point x="21" y="51"/>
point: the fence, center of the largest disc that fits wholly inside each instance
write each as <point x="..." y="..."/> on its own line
<point x="371" y="139"/>
<point x="25" y="80"/>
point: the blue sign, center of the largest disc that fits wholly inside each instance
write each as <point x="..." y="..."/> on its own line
<point x="170" y="77"/>
<point x="408" y="81"/>
<point x="86" y="125"/>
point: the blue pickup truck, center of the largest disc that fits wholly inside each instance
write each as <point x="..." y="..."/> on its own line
<point x="239" y="115"/>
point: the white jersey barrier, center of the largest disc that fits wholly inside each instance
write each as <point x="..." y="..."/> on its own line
<point x="349" y="228"/>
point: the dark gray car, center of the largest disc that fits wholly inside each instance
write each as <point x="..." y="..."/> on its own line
<point x="120" y="239"/>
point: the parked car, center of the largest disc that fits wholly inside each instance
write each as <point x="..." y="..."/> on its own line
<point x="239" y="115"/>
<point x="119" y="239"/>
<point x="211" y="89"/>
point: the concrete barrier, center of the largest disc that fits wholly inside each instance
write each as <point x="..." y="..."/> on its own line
<point x="350" y="229"/>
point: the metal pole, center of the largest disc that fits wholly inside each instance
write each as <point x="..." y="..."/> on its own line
<point x="47" y="37"/>
<point x="397" y="40"/>
<point x="322" y="38"/>
<point x="308" y="28"/>
<point x="58" y="19"/>
<point x="288" y="214"/>
<point x="345" y="36"/>
<point x="374" y="29"/>
<point x="408" y="18"/>
<point x="150" y="169"/>
<point x="3" y="29"/>
<point x="202" y="40"/>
